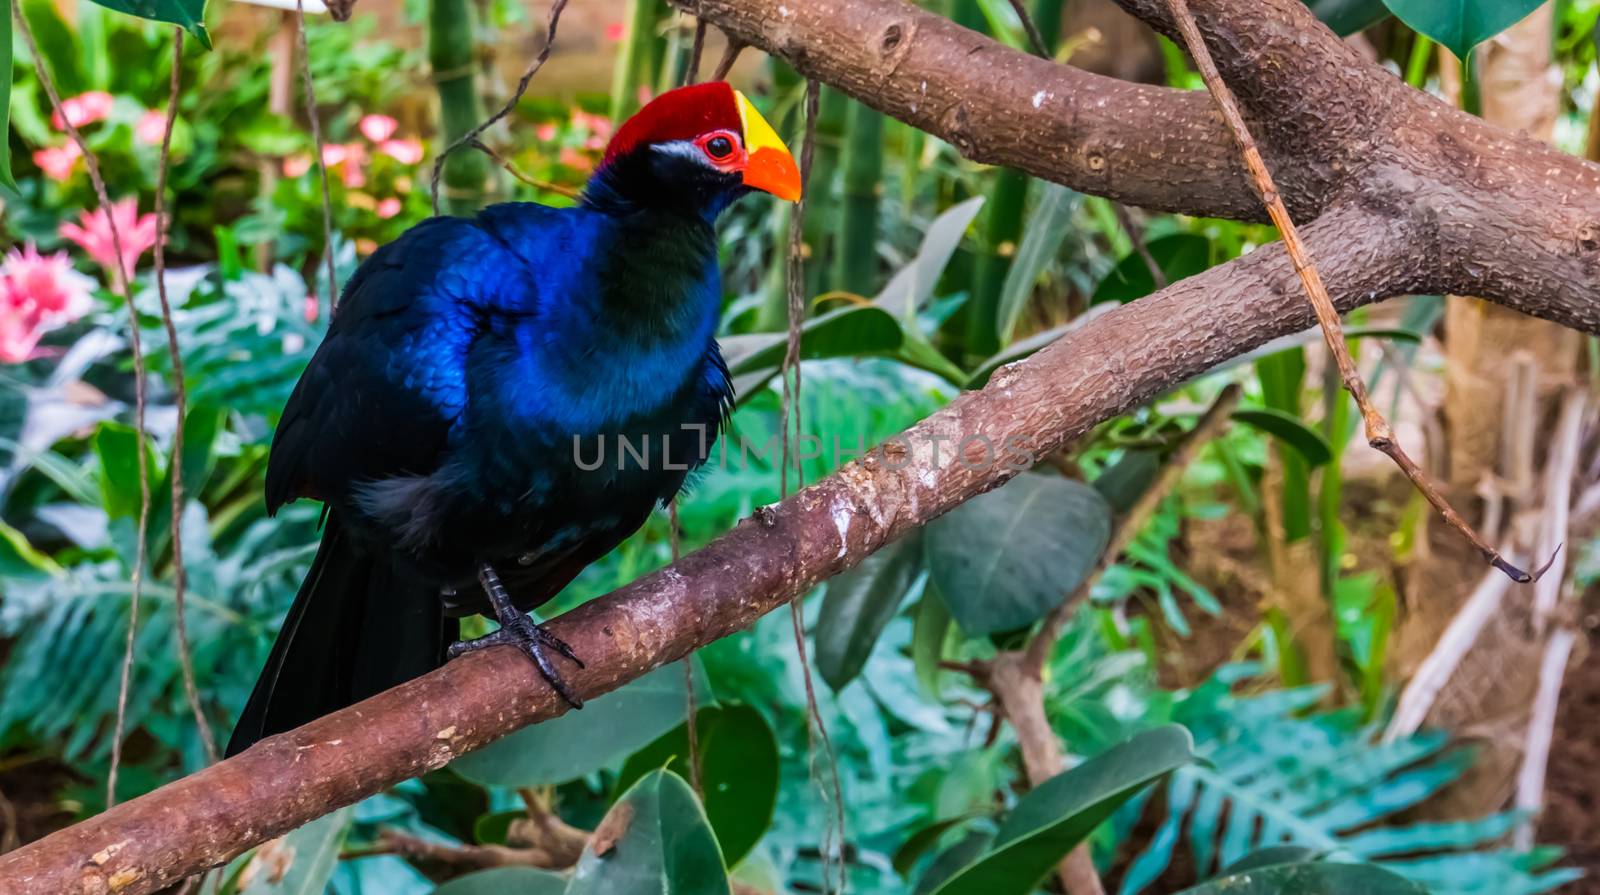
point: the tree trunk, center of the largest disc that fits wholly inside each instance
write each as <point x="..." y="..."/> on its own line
<point x="1504" y="375"/>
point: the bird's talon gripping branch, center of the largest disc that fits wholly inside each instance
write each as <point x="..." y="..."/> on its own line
<point x="522" y="632"/>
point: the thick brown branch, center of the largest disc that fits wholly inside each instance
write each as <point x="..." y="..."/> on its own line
<point x="1146" y="146"/>
<point x="1122" y="359"/>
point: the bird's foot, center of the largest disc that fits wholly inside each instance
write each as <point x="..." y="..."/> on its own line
<point x="522" y="632"/>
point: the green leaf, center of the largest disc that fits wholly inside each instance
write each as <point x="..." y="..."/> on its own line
<point x="1051" y="820"/>
<point x="1346" y="17"/>
<point x="1003" y="560"/>
<point x="1046" y="229"/>
<point x="506" y="881"/>
<point x="911" y="286"/>
<point x="19" y="561"/>
<point x="859" y="604"/>
<point x="654" y="841"/>
<point x="851" y="331"/>
<point x="1287" y="428"/>
<point x="1269" y="857"/>
<point x="5" y="102"/>
<point x="117" y="448"/>
<point x="188" y="13"/>
<point x="311" y="853"/>
<point x="738" y="770"/>
<point x="602" y="732"/>
<point x="927" y="639"/>
<point x="1315" y="878"/>
<point x="906" y="856"/>
<point x="1461" y="25"/>
<point x="200" y="433"/>
<point x="1179" y="256"/>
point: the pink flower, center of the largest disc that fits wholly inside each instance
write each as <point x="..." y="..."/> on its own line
<point x="296" y="165"/>
<point x="354" y="167"/>
<point x="333" y="154"/>
<point x="151" y="127"/>
<point x="614" y="31"/>
<point x="545" y="132"/>
<point x="378" y="128"/>
<point x="388" y="208"/>
<point x="58" y="162"/>
<point x="406" y="152"/>
<point x="37" y="293"/>
<point x="48" y="282"/>
<point x="572" y="158"/>
<point x="83" y="109"/>
<point x="311" y="308"/>
<point x="598" y="125"/>
<point x="92" y="233"/>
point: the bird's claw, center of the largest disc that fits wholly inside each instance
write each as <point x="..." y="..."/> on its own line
<point x="531" y="638"/>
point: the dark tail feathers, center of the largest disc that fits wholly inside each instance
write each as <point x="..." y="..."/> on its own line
<point x="357" y="627"/>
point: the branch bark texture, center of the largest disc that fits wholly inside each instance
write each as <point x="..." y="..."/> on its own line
<point x="1400" y="194"/>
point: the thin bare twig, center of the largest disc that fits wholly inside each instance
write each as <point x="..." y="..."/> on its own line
<point x="322" y="164"/>
<point x="730" y="55"/>
<point x="180" y="574"/>
<point x="470" y="138"/>
<point x="121" y="283"/>
<point x="1379" y="434"/>
<point x="696" y="50"/>
<point x="1136" y="236"/>
<point x="511" y="168"/>
<point x="1034" y="37"/>
<point x="833" y="791"/>
<point x="692" y="708"/>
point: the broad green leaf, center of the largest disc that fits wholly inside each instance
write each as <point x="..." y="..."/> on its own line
<point x="5" y="101"/>
<point x="952" y="859"/>
<point x="200" y="432"/>
<point x="1125" y="481"/>
<point x="188" y="13"/>
<point x="654" y="841"/>
<point x="1051" y="820"/>
<point x="907" y="855"/>
<point x="859" y="604"/>
<point x="1003" y="560"/>
<point x="911" y="286"/>
<point x="301" y="862"/>
<point x="117" y="448"/>
<point x="506" y="881"/>
<point x="1346" y="17"/>
<point x="1045" y="230"/>
<point x="1461" y="25"/>
<point x="1179" y="256"/>
<point x="1270" y="857"/>
<point x="738" y="770"/>
<point x="1289" y="429"/>
<point x="851" y="331"/>
<point x="1315" y="878"/>
<point x="604" y="731"/>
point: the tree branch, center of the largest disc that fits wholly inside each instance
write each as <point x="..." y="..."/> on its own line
<point x="1433" y="201"/>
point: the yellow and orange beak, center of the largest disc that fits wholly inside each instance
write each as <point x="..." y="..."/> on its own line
<point x="770" y="167"/>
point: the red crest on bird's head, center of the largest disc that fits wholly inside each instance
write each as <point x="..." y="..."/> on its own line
<point x="681" y="114"/>
<point x="720" y="128"/>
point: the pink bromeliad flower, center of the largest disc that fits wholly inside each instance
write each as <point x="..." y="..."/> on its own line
<point x="388" y="208"/>
<point x="92" y="233"/>
<point x="58" y="162"/>
<point x="378" y="128"/>
<point x="296" y="165"/>
<point x="151" y="127"/>
<point x="37" y="293"/>
<point x="85" y="108"/>
<point x="406" y="152"/>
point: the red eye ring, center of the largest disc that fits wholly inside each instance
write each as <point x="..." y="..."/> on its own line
<point x="722" y="148"/>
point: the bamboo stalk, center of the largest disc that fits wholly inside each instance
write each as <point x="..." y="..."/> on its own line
<point x="466" y="174"/>
<point x="861" y="187"/>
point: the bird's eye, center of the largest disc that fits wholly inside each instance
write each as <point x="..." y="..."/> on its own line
<point x="719" y="147"/>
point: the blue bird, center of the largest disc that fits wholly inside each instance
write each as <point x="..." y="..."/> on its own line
<point x="451" y="418"/>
